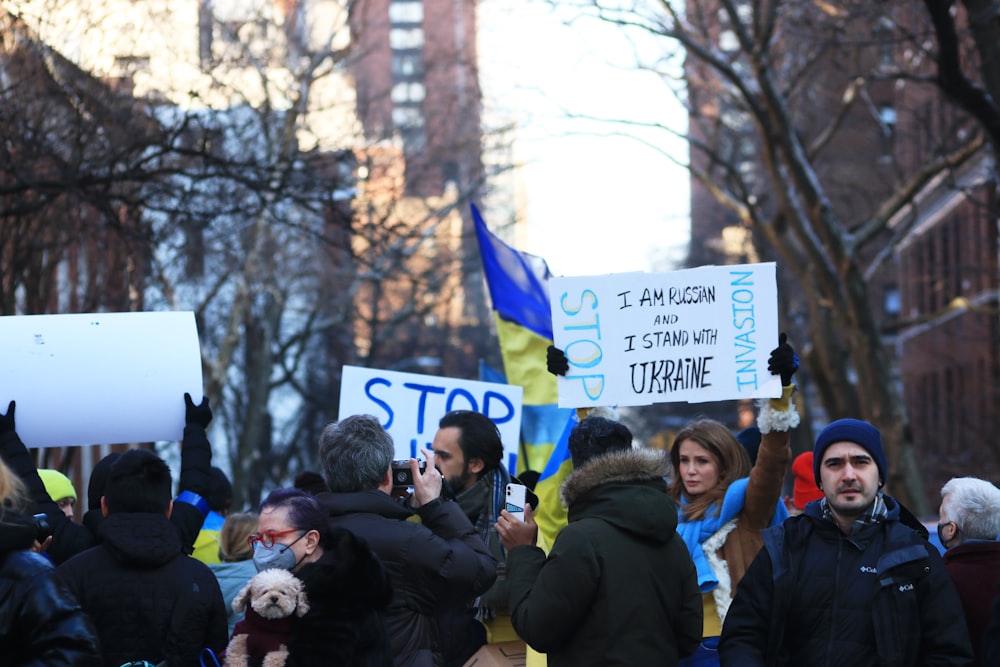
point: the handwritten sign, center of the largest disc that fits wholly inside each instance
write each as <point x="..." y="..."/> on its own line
<point x="102" y="378"/>
<point x="409" y="405"/>
<point x="695" y="335"/>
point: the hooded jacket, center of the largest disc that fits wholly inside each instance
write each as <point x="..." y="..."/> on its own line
<point x="619" y="587"/>
<point x="132" y="584"/>
<point x="41" y="623"/>
<point x="436" y="562"/>
<point x="815" y="596"/>
<point x="347" y="589"/>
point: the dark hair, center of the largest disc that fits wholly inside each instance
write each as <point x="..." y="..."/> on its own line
<point x="595" y="436"/>
<point x="220" y="490"/>
<point x="304" y="511"/>
<point x="356" y="454"/>
<point x="139" y="481"/>
<point x="99" y="480"/>
<point x="310" y="481"/>
<point x="478" y="437"/>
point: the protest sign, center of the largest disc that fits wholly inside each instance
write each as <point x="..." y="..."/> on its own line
<point x="694" y="335"/>
<point x="101" y="378"/>
<point x="409" y="405"/>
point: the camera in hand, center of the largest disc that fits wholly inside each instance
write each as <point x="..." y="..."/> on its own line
<point x="401" y="473"/>
<point x="42" y="528"/>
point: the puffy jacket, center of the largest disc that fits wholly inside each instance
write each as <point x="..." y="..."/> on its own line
<point x="41" y="623"/>
<point x="619" y="587"/>
<point x="815" y="596"/>
<point x="436" y="562"/>
<point x="132" y="584"/>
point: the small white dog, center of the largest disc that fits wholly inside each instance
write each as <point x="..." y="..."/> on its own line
<point x="275" y="597"/>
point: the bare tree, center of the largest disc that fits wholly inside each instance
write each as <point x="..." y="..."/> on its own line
<point x="783" y="100"/>
<point x="238" y="184"/>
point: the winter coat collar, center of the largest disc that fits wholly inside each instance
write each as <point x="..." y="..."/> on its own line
<point x="618" y="466"/>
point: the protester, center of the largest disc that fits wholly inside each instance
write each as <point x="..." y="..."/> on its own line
<point x="723" y="502"/>
<point x="968" y="528"/>
<point x="852" y="579"/>
<point x="60" y="490"/>
<point x="619" y="587"/>
<point x="147" y="598"/>
<point x="438" y="562"/>
<point x="235" y="566"/>
<point x="345" y="583"/>
<point x="468" y="451"/>
<point x="69" y="538"/>
<point x="41" y="623"/>
<point x="219" y="499"/>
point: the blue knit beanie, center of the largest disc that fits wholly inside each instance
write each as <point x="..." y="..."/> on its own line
<point x="851" y="430"/>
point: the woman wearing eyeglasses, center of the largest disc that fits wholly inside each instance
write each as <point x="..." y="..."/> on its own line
<point x="345" y="583"/>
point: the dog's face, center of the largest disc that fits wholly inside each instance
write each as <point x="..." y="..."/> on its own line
<point x="273" y="594"/>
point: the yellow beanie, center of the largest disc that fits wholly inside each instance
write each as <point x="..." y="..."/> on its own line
<point x="57" y="484"/>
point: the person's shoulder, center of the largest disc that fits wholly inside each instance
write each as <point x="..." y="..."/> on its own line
<point x="25" y="564"/>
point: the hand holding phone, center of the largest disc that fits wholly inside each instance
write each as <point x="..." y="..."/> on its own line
<point x="516" y="495"/>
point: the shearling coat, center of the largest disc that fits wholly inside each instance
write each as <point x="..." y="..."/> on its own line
<point x="618" y="587"/>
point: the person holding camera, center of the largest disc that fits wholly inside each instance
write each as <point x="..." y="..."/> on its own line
<point x="436" y="563"/>
<point x="468" y="451"/>
<point x="42" y="623"/>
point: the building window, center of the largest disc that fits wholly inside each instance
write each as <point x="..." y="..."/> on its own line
<point x="406" y="12"/>
<point x="407" y="65"/>
<point x="406" y="38"/>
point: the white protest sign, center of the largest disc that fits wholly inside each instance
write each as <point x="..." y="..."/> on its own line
<point x="100" y="378"/>
<point x="409" y="405"/>
<point x="694" y="335"/>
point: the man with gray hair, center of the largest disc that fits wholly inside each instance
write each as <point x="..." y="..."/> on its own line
<point x="968" y="528"/>
<point x="438" y="562"/>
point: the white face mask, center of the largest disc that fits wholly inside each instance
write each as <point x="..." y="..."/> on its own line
<point x="280" y="556"/>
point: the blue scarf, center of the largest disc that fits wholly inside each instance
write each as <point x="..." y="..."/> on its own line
<point x="694" y="533"/>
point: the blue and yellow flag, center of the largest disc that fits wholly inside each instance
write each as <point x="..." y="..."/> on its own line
<point x="519" y="289"/>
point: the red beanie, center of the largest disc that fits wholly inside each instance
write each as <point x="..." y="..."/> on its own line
<point x="804" y="490"/>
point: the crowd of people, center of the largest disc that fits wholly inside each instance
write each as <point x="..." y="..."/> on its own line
<point x="687" y="557"/>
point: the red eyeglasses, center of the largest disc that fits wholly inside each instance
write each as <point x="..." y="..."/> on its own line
<point x="267" y="537"/>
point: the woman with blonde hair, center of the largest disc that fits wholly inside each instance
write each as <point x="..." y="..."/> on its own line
<point x="42" y="623"/>
<point x="236" y="560"/>
<point x="723" y="502"/>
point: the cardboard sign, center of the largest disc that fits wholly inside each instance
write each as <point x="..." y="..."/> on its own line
<point x="409" y="405"/>
<point x="502" y="654"/>
<point x="695" y="335"/>
<point x="104" y="378"/>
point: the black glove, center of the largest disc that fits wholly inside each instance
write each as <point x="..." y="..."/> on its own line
<point x="7" y="420"/>
<point x="197" y="415"/>
<point x="556" y="361"/>
<point x="783" y="361"/>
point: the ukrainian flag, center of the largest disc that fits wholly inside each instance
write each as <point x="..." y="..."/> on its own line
<point x="519" y="289"/>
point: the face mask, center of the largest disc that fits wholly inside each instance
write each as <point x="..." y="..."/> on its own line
<point x="940" y="533"/>
<point x="279" y="556"/>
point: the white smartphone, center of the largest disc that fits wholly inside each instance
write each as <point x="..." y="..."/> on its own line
<point x="515" y="500"/>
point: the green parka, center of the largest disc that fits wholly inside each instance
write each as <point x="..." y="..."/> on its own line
<point x="618" y="587"/>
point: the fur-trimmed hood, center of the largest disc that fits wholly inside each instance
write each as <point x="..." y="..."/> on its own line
<point x="625" y="488"/>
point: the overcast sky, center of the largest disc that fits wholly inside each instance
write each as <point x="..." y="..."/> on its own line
<point x="596" y="203"/>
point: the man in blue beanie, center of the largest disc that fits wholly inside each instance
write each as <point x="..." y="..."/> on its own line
<point x="853" y="577"/>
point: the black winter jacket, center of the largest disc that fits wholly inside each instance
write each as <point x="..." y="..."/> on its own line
<point x="814" y="596"/>
<point x="41" y="623"/>
<point x="618" y="588"/>
<point x="70" y="538"/>
<point x="347" y="589"/>
<point x="132" y="584"/>
<point x="437" y="562"/>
